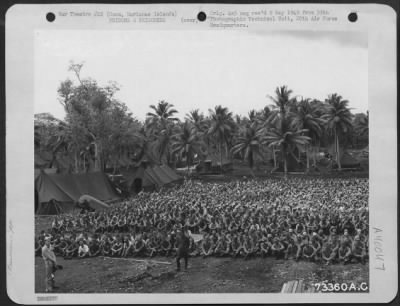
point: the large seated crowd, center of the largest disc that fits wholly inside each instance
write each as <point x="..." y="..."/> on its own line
<point x="317" y="219"/>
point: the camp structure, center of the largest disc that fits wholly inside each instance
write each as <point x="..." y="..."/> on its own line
<point x="348" y="161"/>
<point x="45" y="170"/>
<point x="93" y="203"/>
<point x="212" y="163"/>
<point x="58" y="193"/>
<point x="149" y="177"/>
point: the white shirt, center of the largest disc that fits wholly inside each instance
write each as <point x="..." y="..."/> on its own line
<point x="83" y="249"/>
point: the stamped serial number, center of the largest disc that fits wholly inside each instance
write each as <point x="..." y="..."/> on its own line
<point x="341" y="287"/>
<point x="46" y="298"/>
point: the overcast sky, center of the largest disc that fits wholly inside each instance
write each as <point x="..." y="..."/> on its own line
<point x="201" y="69"/>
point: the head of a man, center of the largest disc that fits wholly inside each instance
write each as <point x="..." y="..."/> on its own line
<point x="47" y="241"/>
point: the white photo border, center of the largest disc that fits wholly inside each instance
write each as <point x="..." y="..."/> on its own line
<point x="380" y="23"/>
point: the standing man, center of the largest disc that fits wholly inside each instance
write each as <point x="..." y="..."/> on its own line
<point x="50" y="263"/>
<point x="183" y="243"/>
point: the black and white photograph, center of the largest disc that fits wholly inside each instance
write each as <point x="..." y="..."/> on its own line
<point x="202" y="161"/>
<point x="206" y="163"/>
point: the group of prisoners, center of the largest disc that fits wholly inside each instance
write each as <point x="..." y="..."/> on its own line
<point x="322" y="220"/>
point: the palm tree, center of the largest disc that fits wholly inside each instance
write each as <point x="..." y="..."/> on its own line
<point x="161" y="124"/>
<point x="163" y="113"/>
<point x="282" y="100"/>
<point x="285" y="136"/>
<point x="187" y="142"/>
<point x="252" y="116"/>
<point x="306" y="117"/>
<point x="197" y="119"/>
<point x="145" y="147"/>
<point x="163" y="141"/>
<point x="278" y="118"/>
<point x="221" y="126"/>
<point x="248" y="143"/>
<point x="338" y="120"/>
<point x="266" y="119"/>
<point x="361" y="123"/>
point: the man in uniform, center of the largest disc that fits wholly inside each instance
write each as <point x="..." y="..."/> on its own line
<point x="344" y="252"/>
<point x="358" y="250"/>
<point x="50" y="263"/>
<point x="183" y="248"/>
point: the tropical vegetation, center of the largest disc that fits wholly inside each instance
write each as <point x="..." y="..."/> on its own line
<point x="99" y="132"/>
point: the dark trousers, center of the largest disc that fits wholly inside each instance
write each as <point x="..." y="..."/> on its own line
<point x="179" y="256"/>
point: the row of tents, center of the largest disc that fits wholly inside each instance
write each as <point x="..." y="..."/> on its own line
<point x="59" y="192"/>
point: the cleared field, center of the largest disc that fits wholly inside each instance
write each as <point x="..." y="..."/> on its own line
<point x="211" y="275"/>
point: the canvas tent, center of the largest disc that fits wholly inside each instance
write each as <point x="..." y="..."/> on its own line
<point x="212" y="162"/>
<point x="348" y="161"/>
<point x="58" y="192"/>
<point x="46" y="170"/>
<point x="149" y="177"/>
<point x="93" y="202"/>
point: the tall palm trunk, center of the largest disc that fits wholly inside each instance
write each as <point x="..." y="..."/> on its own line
<point x="251" y="163"/>
<point x="284" y="159"/>
<point x="274" y="156"/>
<point x="96" y="157"/>
<point x="220" y="152"/>
<point x="308" y="157"/>
<point x="337" y="150"/>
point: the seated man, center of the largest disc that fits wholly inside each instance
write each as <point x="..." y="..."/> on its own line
<point x="291" y="248"/>
<point x="61" y="246"/>
<point x="237" y="246"/>
<point x="277" y="248"/>
<point x="317" y="244"/>
<point x="166" y="245"/>
<point x="116" y="248"/>
<point x="72" y="249"/>
<point x="344" y="252"/>
<point x="248" y="247"/>
<point x="309" y="251"/>
<point x="299" y="243"/>
<point x="151" y="246"/>
<point x="94" y="248"/>
<point x="265" y="245"/>
<point x="139" y="246"/>
<point x="345" y="238"/>
<point x="328" y="253"/>
<point x="105" y="247"/>
<point x="83" y="250"/>
<point x="222" y="248"/>
<point x="203" y="225"/>
<point x="358" y="250"/>
<point x="206" y="246"/>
